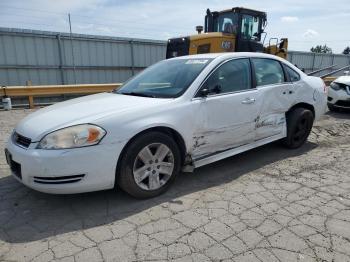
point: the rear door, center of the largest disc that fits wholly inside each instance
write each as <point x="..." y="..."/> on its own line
<point x="227" y="114"/>
<point x="275" y="92"/>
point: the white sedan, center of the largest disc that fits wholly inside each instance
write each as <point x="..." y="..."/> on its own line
<point x="339" y="94"/>
<point x="178" y="114"/>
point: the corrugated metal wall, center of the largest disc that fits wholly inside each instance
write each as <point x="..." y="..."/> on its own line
<point x="311" y="61"/>
<point x="55" y="58"/>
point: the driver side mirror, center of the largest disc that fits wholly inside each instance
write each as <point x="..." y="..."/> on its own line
<point x="204" y="92"/>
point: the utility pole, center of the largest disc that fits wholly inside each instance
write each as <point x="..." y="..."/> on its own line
<point x="71" y="43"/>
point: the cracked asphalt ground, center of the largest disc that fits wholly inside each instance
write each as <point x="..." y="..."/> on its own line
<point x="268" y="204"/>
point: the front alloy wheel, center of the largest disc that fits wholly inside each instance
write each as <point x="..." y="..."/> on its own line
<point x="148" y="165"/>
<point x="153" y="166"/>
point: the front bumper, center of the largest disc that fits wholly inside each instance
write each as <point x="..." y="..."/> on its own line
<point x="66" y="171"/>
<point x="339" y="98"/>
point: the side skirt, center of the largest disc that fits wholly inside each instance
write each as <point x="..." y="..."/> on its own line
<point x="236" y="150"/>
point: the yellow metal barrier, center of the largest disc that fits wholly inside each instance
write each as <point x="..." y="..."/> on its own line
<point x="31" y="91"/>
<point x="329" y="79"/>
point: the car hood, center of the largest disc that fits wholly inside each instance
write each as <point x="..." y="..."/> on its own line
<point x="343" y="80"/>
<point x="82" y="110"/>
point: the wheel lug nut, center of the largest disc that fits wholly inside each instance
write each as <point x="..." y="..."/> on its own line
<point x="158" y="167"/>
<point x="154" y="171"/>
<point x="151" y="162"/>
<point x="156" y="161"/>
<point x="149" y="169"/>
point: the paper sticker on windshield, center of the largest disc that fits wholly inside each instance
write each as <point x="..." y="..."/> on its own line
<point x="196" y="61"/>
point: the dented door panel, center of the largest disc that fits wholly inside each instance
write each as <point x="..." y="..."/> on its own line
<point x="270" y="125"/>
<point x="226" y="123"/>
<point x="274" y="101"/>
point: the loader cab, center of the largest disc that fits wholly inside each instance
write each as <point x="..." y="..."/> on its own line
<point x="234" y="30"/>
<point x="246" y="25"/>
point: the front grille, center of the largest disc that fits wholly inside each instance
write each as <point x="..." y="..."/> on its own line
<point x="343" y="103"/>
<point x="178" y="47"/>
<point x="21" y="140"/>
<point x="58" y="180"/>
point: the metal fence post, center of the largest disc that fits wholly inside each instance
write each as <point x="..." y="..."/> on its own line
<point x="30" y="97"/>
<point x="291" y="57"/>
<point x="72" y="48"/>
<point x="313" y="63"/>
<point x="132" y="57"/>
<point x="60" y="58"/>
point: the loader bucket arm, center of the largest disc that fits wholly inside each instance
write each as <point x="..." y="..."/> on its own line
<point x="279" y="49"/>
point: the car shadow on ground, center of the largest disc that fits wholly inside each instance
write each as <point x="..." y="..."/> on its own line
<point x="343" y="114"/>
<point x="27" y="215"/>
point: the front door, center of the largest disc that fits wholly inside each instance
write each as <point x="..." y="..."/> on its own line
<point x="229" y="110"/>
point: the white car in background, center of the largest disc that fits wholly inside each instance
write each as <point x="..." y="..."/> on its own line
<point x="339" y="94"/>
<point x="178" y="114"/>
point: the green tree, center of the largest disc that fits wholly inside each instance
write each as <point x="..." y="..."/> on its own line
<point x="323" y="49"/>
<point x="347" y="51"/>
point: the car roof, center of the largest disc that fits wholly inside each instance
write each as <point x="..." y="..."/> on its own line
<point x="228" y="55"/>
<point x="219" y="57"/>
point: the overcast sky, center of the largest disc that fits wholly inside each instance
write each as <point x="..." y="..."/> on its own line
<point x="305" y="22"/>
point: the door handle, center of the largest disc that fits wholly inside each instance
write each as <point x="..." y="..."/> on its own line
<point x="248" y="101"/>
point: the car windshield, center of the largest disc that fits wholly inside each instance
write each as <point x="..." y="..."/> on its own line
<point x="166" y="79"/>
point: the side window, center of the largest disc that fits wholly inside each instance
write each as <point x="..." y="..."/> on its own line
<point x="234" y="75"/>
<point x="267" y="71"/>
<point x="293" y="76"/>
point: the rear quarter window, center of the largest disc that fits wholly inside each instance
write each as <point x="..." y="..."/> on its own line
<point x="293" y="75"/>
<point x="268" y="71"/>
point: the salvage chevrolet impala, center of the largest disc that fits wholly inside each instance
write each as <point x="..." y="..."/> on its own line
<point x="178" y="114"/>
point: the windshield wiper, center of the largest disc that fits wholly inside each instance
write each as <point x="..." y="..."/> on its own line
<point x="138" y="94"/>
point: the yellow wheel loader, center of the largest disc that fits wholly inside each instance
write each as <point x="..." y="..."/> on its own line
<point x="233" y="30"/>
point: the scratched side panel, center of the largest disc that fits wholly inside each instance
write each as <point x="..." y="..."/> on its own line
<point x="274" y="101"/>
<point x="270" y="125"/>
<point x="211" y="141"/>
<point x="227" y="123"/>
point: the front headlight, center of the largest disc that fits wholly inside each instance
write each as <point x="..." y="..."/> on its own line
<point x="72" y="137"/>
<point x="335" y="86"/>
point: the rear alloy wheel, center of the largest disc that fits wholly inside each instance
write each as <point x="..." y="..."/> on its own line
<point x="149" y="165"/>
<point x="299" y="125"/>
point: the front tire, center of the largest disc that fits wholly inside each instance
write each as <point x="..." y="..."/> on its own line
<point x="149" y="165"/>
<point x="299" y="125"/>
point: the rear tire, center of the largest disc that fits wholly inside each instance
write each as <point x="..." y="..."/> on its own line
<point x="299" y="125"/>
<point x="149" y="165"/>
